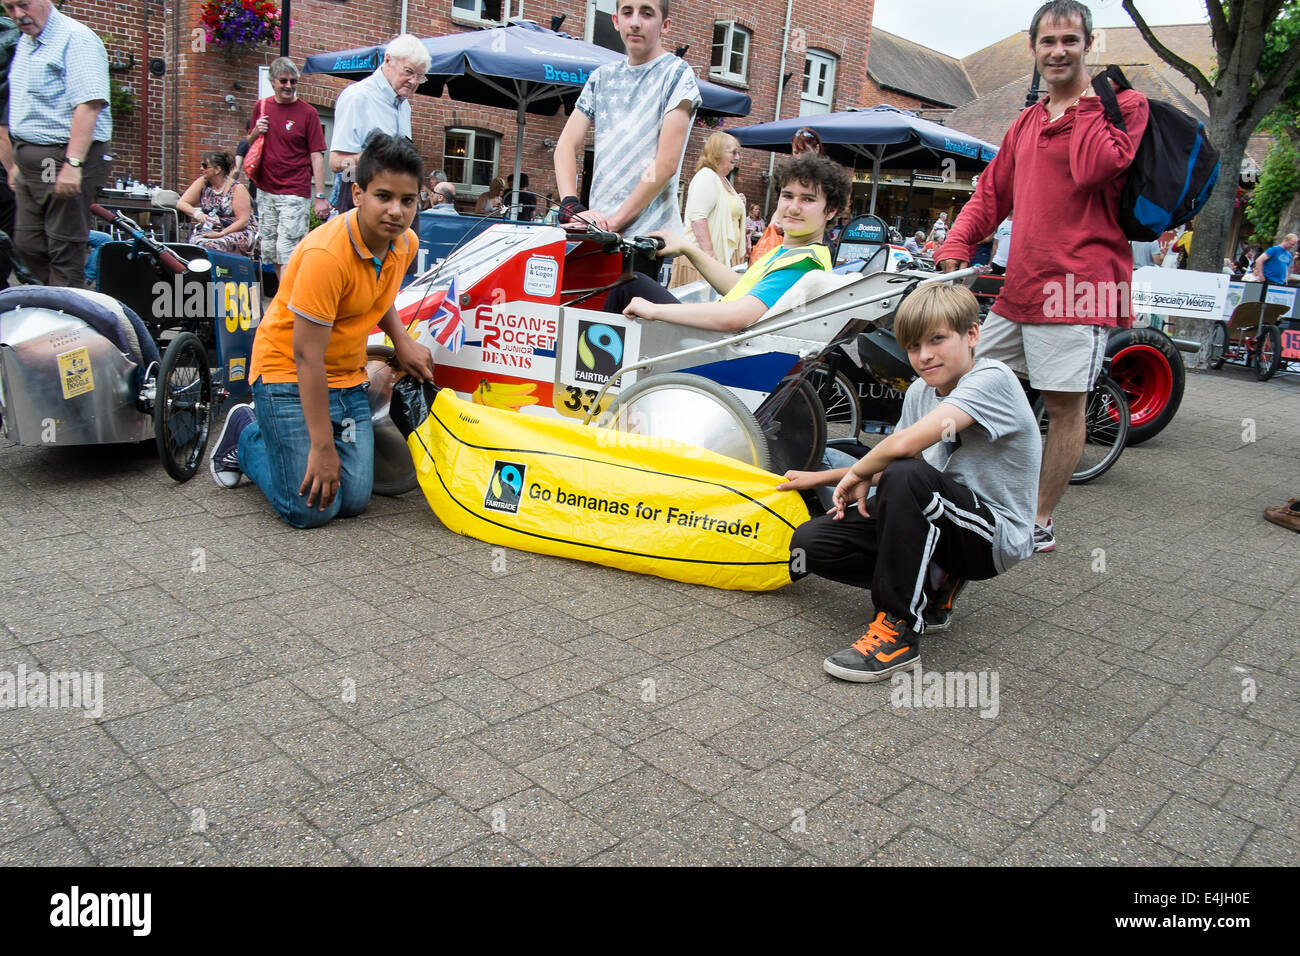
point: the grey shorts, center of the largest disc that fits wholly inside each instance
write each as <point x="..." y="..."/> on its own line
<point x="1054" y="357"/>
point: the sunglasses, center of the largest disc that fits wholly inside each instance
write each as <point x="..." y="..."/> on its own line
<point x="286" y="81"/>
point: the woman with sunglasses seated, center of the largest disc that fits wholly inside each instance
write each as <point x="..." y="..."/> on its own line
<point x="220" y="207"/>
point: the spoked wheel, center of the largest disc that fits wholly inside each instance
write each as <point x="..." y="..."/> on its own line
<point x="840" y="399"/>
<point x="1269" y="351"/>
<point x="182" y="406"/>
<point x="394" y="469"/>
<point x="796" y="435"/>
<point x="1145" y="363"/>
<point x="1218" y="345"/>
<point x="1106" y="418"/>
<point x="692" y="409"/>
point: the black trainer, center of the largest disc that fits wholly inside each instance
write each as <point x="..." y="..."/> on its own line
<point x="889" y="645"/>
<point x="939" y="601"/>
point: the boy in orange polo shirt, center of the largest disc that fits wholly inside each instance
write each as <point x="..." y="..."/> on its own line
<point x="306" y="440"/>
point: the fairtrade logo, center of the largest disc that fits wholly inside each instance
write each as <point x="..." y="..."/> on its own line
<point x="600" y="352"/>
<point x="505" y="487"/>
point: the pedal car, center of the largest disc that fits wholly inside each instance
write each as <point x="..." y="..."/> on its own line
<point x="158" y="349"/>
<point x="537" y="343"/>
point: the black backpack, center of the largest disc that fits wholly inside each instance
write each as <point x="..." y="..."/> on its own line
<point x="1175" y="168"/>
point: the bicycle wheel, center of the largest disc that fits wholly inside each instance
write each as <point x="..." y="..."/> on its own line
<point x="796" y="436"/>
<point x="1106" y="418"/>
<point x="839" y="397"/>
<point x="1218" y="345"/>
<point x="182" y="406"/>
<point x="1269" y="352"/>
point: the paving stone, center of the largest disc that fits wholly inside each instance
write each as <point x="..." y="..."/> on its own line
<point x="1265" y="811"/>
<point x="581" y="766"/>
<point x="1066" y="838"/>
<point x="24" y="811"/>
<point x="942" y="762"/>
<point x="57" y="846"/>
<point x="493" y="850"/>
<point x="222" y="750"/>
<point x="1249" y="765"/>
<point x="1012" y="792"/>
<point x="847" y="769"/>
<point x="774" y="797"/>
<point x="650" y="848"/>
<point x="759" y="741"/>
<point x="488" y="697"/>
<point x="715" y="837"/>
<point x="84" y="759"/>
<point x="1034" y="754"/>
<point x="952" y="819"/>
<point x="919" y="847"/>
<point x="216" y="800"/>
<point x="1200" y="832"/>
<point x="1156" y="768"/>
<point x="187" y="851"/>
<point x="468" y="774"/>
<point x="693" y="763"/>
<point x="1268" y="848"/>
<point x="124" y="818"/>
<point x="528" y="736"/>
<point x="329" y="750"/>
<point x="621" y="721"/>
<point x="415" y="837"/>
<point x="372" y="701"/>
<point x="638" y="801"/>
<point x="364" y="670"/>
<point x="844" y="830"/>
<point x="12" y="772"/>
<point x="1130" y="801"/>
<point x="423" y="727"/>
<point x="275" y="839"/>
<point x="706" y="713"/>
<point x="545" y="827"/>
<point x="562" y="680"/>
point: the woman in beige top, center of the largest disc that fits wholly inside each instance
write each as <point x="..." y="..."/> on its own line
<point x="715" y="213"/>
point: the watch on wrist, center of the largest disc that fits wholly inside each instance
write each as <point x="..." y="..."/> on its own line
<point x="74" y="163"/>
<point x="320" y="196"/>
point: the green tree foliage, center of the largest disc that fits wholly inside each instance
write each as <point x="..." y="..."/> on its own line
<point x="1279" y="181"/>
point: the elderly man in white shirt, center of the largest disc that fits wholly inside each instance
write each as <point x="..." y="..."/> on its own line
<point x="378" y="104"/>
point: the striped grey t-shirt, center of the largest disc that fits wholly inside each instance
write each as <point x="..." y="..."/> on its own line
<point x="627" y="105"/>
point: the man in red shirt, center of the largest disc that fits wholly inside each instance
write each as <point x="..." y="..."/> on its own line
<point x="1061" y="166"/>
<point x="292" y="160"/>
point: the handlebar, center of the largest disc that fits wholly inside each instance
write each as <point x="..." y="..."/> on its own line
<point x="645" y="245"/>
<point x="169" y="260"/>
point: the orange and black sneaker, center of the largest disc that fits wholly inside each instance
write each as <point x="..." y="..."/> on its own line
<point x="889" y="645"/>
<point x="938" y="603"/>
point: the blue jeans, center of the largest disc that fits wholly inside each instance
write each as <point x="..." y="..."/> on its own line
<point x="273" y="451"/>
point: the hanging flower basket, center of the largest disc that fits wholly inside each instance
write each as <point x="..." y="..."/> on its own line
<point x="240" y="24"/>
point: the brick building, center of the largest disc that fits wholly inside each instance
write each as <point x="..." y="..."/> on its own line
<point x="196" y="98"/>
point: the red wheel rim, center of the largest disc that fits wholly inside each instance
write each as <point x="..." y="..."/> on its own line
<point x="1143" y="372"/>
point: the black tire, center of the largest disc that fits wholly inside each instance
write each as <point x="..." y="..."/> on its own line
<point x="1147" y="365"/>
<point x="840" y="399"/>
<point x="1218" y="345"/>
<point x="1268" y="353"/>
<point x="1107" y="419"/>
<point x="183" y="406"/>
<point x="637" y="409"/>
<point x="394" y="473"/>
<point x="796" y="435"/>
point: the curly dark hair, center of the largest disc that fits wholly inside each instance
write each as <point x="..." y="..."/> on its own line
<point x="813" y="169"/>
<point x="222" y="160"/>
<point x="385" y="153"/>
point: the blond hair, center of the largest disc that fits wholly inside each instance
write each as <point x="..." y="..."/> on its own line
<point x="935" y="305"/>
<point x="716" y="147"/>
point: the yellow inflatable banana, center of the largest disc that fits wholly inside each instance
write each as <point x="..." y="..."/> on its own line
<point x="558" y="487"/>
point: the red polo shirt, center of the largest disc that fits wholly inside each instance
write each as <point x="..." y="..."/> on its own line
<point x="1071" y="263"/>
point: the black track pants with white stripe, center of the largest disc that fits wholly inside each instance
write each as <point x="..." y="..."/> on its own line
<point x="918" y="515"/>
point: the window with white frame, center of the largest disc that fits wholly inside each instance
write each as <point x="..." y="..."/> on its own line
<point x="600" y="25"/>
<point x="818" y="83"/>
<point x="469" y="157"/>
<point x="486" y="11"/>
<point x="730" y="52"/>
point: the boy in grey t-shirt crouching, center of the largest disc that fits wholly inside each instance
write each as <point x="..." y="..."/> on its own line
<point x="956" y="484"/>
